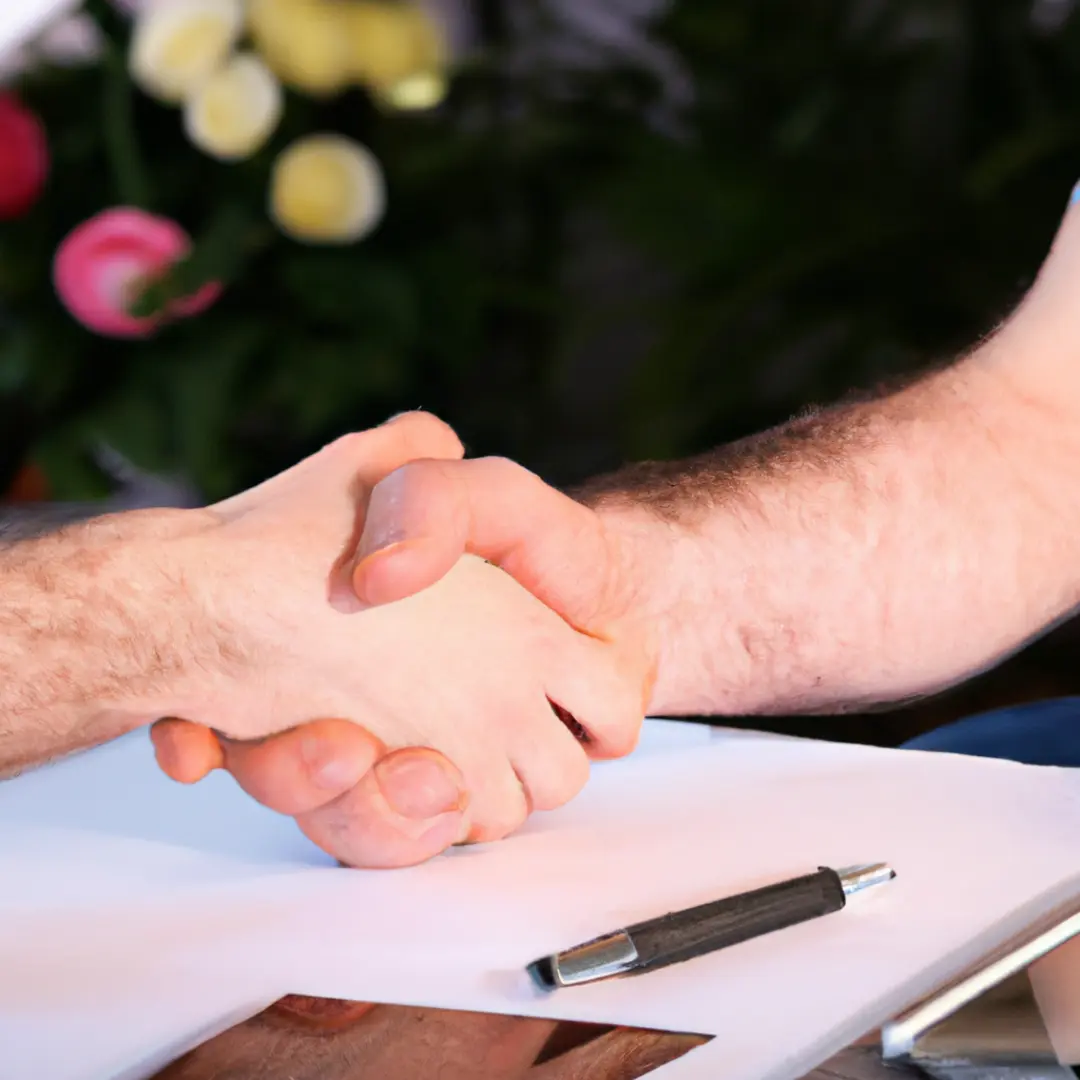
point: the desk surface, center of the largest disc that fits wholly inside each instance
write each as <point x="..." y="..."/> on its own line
<point x="315" y="1039"/>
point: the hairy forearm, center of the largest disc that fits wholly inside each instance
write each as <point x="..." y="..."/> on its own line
<point x="93" y="634"/>
<point x="871" y="553"/>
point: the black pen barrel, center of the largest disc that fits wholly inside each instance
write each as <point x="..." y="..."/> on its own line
<point x="684" y="935"/>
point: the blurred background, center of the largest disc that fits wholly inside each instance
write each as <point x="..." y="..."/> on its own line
<point x="591" y="231"/>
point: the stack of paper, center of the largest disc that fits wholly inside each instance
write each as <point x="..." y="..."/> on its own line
<point x="139" y="918"/>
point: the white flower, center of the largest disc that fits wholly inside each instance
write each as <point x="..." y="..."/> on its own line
<point x="13" y="62"/>
<point x="327" y="189"/>
<point x="178" y="44"/>
<point x="22" y="20"/>
<point x="70" y="41"/>
<point x="236" y="110"/>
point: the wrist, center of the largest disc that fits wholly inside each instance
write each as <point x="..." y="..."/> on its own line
<point x="98" y="634"/>
<point x="141" y="605"/>
<point x="656" y="561"/>
<point x="877" y="553"/>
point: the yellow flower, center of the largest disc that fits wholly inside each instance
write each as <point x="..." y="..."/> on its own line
<point x="327" y="189"/>
<point x="178" y="44"/>
<point x="236" y="110"/>
<point x="397" y="50"/>
<point x="304" y="42"/>
<point x="416" y="93"/>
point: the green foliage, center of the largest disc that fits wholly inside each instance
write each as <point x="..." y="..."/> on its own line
<point x="868" y="193"/>
<point x="849" y="197"/>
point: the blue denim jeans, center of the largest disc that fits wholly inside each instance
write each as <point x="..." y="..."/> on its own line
<point x="1043" y="733"/>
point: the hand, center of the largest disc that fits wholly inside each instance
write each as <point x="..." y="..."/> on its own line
<point x="365" y="805"/>
<point x="469" y="667"/>
<point x="398" y="808"/>
<point x="419" y="523"/>
<point x="426" y="514"/>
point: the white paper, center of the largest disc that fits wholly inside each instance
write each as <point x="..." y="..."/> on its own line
<point x="139" y="917"/>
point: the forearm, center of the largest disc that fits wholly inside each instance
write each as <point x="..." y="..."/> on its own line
<point x="870" y="554"/>
<point x="94" y="635"/>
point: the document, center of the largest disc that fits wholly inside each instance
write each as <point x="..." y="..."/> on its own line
<point x="139" y="917"/>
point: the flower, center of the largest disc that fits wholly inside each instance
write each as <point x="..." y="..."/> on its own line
<point x="327" y="189"/>
<point x="394" y="43"/>
<point x="305" y="42"/>
<point x="101" y="267"/>
<point x="29" y="484"/>
<point x="72" y="41"/>
<point x="416" y="93"/>
<point x="22" y="20"/>
<point x="322" y="46"/>
<point x="236" y="109"/>
<point x="178" y="44"/>
<point x="24" y="158"/>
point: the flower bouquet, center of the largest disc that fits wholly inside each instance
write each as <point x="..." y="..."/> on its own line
<point x="187" y="187"/>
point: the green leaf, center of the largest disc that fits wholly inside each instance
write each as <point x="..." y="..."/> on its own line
<point x="16" y="357"/>
<point x="129" y="172"/>
<point x="202" y="380"/>
<point x="352" y="291"/>
<point x="218" y="255"/>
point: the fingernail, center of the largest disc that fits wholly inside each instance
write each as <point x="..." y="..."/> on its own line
<point x="366" y="563"/>
<point x="418" y="787"/>
<point x="328" y="767"/>
<point x="1074" y="197"/>
<point x="383" y="526"/>
<point x="379" y="541"/>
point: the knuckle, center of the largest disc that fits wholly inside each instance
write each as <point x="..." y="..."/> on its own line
<point x="504" y="469"/>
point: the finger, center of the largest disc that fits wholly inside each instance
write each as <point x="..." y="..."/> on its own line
<point x="316" y="773"/>
<point x="362" y="458"/>
<point x="603" y="694"/>
<point x="410" y="436"/>
<point x="550" y="762"/>
<point x="185" y="752"/>
<point x="400" y="813"/>
<point x="425" y="515"/>
<point x="498" y="801"/>
<point x="303" y="768"/>
<point x="369" y="456"/>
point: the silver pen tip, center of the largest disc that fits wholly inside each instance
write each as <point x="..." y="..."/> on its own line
<point x="855" y="879"/>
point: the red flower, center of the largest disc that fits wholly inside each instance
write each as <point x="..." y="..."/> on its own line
<point x="104" y="263"/>
<point x="24" y="158"/>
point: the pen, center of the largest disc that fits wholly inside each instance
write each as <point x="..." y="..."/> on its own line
<point x="683" y="935"/>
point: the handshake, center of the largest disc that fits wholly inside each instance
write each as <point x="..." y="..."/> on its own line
<point x="401" y="649"/>
<point x="405" y="650"/>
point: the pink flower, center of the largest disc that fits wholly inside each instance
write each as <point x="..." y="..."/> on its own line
<point x="24" y="158"/>
<point x="102" y="265"/>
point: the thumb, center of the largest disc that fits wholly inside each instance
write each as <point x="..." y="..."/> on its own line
<point x="425" y="515"/>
